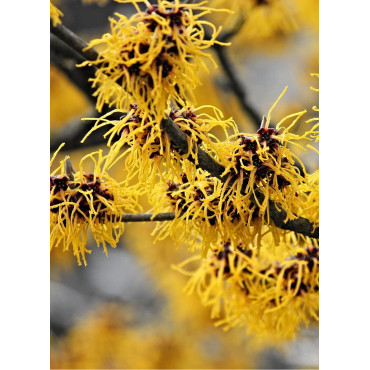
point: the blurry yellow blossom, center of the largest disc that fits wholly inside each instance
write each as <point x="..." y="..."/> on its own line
<point x="55" y="15"/>
<point x="80" y="201"/>
<point x="263" y="19"/>
<point x="272" y="293"/>
<point x="66" y="101"/>
<point x="152" y="56"/>
<point x="308" y="13"/>
<point x="106" y="338"/>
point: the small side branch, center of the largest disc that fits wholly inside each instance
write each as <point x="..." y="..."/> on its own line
<point x="236" y="85"/>
<point x="147" y="217"/>
<point x="72" y="40"/>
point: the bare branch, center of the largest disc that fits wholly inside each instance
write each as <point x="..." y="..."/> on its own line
<point x="228" y="35"/>
<point x="236" y="86"/>
<point x="146" y="217"/>
<point x="72" y="40"/>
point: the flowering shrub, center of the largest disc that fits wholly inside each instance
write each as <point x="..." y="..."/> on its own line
<point x="244" y="203"/>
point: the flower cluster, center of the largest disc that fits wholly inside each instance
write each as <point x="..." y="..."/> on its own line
<point x="205" y="206"/>
<point x="55" y="14"/>
<point x="271" y="293"/>
<point x="86" y="200"/>
<point x="259" y="169"/>
<point x="147" y="150"/>
<point x="152" y="56"/>
<point x="147" y="69"/>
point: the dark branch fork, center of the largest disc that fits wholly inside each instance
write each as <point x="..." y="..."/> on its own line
<point x="179" y="140"/>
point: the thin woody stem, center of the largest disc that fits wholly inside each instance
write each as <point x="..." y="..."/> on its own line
<point x="72" y="40"/>
<point x="147" y="217"/>
<point x="179" y="140"/>
<point x="235" y="84"/>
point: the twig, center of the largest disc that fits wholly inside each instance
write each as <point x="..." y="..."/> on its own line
<point x="145" y="217"/>
<point x="225" y="36"/>
<point x="72" y="40"/>
<point x="73" y="133"/>
<point x="235" y="85"/>
<point x="65" y="59"/>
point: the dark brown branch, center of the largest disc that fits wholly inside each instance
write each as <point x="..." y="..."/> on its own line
<point x="236" y="85"/>
<point x="179" y="140"/>
<point x="72" y="40"/>
<point x="145" y="217"/>
<point x="65" y="59"/>
<point x="300" y="225"/>
<point x="226" y="36"/>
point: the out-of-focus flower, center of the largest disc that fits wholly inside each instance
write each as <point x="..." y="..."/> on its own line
<point x="263" y="19"/>
<point x="80" y="201"/>
<point x="153" y="56"/>
<point x="272" y="293"/>
<point x="66" y="101"/>
<point x="113" y="337"/>
<point x="55" y="15"/>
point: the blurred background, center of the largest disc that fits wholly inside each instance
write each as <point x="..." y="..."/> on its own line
<point x="129" y="310"/>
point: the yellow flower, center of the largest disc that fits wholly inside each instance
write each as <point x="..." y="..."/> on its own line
<point x="262" y="168"/>
<point x="66" y="100"/>
<point x="309" y="199"/>
<point x="259" y="168"/>
<point x="149" y="151"/>
<point x="315" y="134"/>
<point x="152" y="56"/>
<point x="205" y="207"/>
<point x="55" y="15"/>
<point x="87" y="200"/>
<point x="271" y="293"/>
<point x="264" y="19"/>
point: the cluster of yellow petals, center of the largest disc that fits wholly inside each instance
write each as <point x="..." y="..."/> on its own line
<point x="271" y="293"/>
<point x="152" y="56"/>
<point x="55" y="14"/>
<point x="82" y="201"/>
<point x="147" y="151"/>
<point x="147" y="69"/>
<point x="259" y="168"/>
